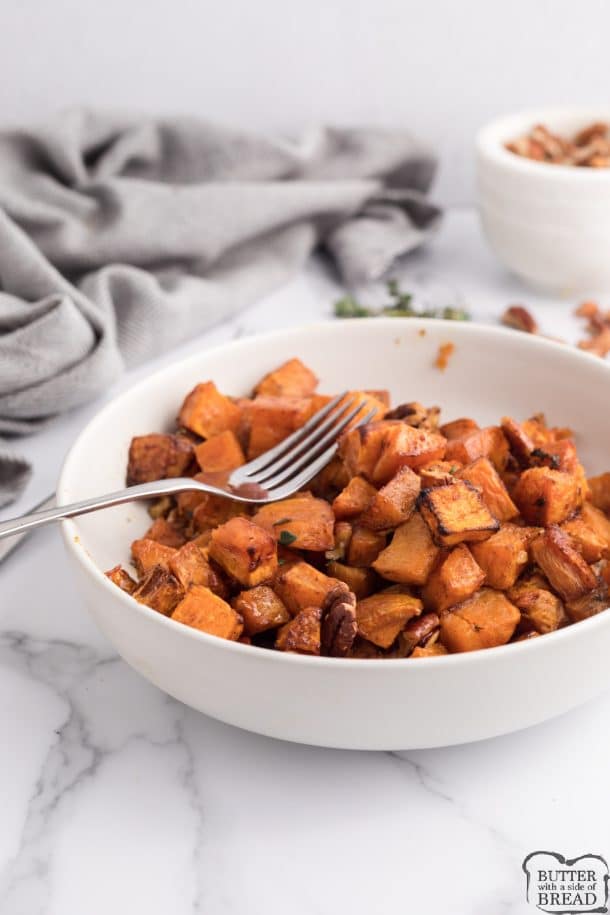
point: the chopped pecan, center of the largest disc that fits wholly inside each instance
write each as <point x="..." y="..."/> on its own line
<point x="422" y="630"/>
<point x="519" y="318"/>
<point x="589" y="147"/>
<point x="338" y="626"/>
<point x="416" y="415"/>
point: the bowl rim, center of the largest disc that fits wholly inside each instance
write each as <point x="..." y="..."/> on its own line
<point x="70" y="531"/>
<point x="490" y="139"/>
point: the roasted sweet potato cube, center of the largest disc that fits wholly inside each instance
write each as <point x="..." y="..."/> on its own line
<point x="436" y="650"/>
<point x="455" y="578"/>
<point x="456" y="512"/>
<point x="204" y="610"/>
<point x="302" y="634"/>
<point x="361" y="581"/>
<point x="367" y="402"/>
<point x="520" y="443"/>
<point x="411" y="554"/>
<point x="211" y="510"/>
<point x="393" y="503"/>
<point x="489" y="442"/>
<point x="438" y="473"/>
<point x="591" y="540"/>
<point x="122" y="579"/>
<point x="207" y="412"/>
<point x="360" y="448"/>
<point x="597" y="521"/>
<point x="485" y="620"/>
<point x="149" y="553"/>
<point x="330" y="481"/>
<point x="292" y="379"/>
<point x="382" y="616"/>
<point x="159" y="590"/>
<point x="458" y="428"/>
<point x="482" y="474"/>
<point x="354" y="499"/>
<point x="405" y="446"/>
<point x="271" y="419"/>
<point x="342" y="537"/>
<point x="600" y="491"/>
<point x="380" y="394"/>
<point x="545" y="496"/>
<point x="156" y="457"/>
<point x="588" y="605"/>
<point x="301" y="522"/>
<point x="260" y="609"/>
<point x="565" y="568"/>
<point x="300" y="585"/>
<point x="539" y="607"/>
<point x="220" y="453"/>
<point x="504" y="555"/>
<point x="245" y="551"/>
<point x="163" y="531"/>
<point x="190" y="566"/>
<point x="364" y="547"/>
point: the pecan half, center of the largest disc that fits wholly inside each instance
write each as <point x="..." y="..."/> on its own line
<point x="519" y="318"/>
<point x="416" y="415"/>
<point x="338" y="622"/>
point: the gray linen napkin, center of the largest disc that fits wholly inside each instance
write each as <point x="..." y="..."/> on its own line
<point x="122" y="236"/>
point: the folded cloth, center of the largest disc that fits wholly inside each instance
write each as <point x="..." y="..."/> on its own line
<point x="122" y="236"/>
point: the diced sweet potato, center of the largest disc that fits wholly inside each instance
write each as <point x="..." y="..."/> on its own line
<point x="458" y="428"/>
<point x="220" y="453"/>
<point x="300" y="585"/>
<point x="342" y="537"/>
<point x="302" y="634"/>
<point x="411" y="555"/>
<point x="600" y="491"/>
<point x="156" y="457"/>
<point x="360" y="448"/>
<point x="360" y="581"/>
<point x="520" y="443"/>
<point x="382" y="616"/>
<point x="163" y="531"/>
<point x="148" y="553"/>
<point x="204" y="610"/>
<point x="489" y="442"/>
<point x="454" y="579"/>
<point x="292" y="379"/>
<point x="565" y="568"/>
<point x="122" y="579"/>
<point x="159" y="590"/>
<point x="190" y="566"/>
<point x="354" y="499"/>
<point x="504" y="555"/>
<point x="260" y="609"/>
<point x="367" y="402"/>
<point x="429" y="651"/>
<point x="405" y="446"/>
<point x="207" y="412"/>
<point x="364" y="547"/>
<point x="301" y="522"/>
<point x="212" y="510"/>
<point x="438" y="473"/>
<point x="539" y="607"/>
<point x="330" y="481"/>
<point x="597" y="521"/>
<point x="394" y="502"/>
<point x="546" y="496"/>
<point x="365" y="650"/>
<point x="456" y="512"/>
<point x="271" y="419"/>
<point x="588" y="541"/>
<point x="245" y="551"/>
<point x="482" y="474"/>
<point x="485" y="620"/>
<point x="588" y="605"/>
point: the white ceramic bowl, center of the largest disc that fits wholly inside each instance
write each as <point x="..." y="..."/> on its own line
<point x="331" y="702"/>
<point x="548" y="223"/>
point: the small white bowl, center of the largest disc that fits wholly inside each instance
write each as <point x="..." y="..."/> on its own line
<point x="331" y="702"/>
<point x="550" y="224"/>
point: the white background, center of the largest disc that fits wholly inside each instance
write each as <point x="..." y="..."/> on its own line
<point x="442" y="67"/>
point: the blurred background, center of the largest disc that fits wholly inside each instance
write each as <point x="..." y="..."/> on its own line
<point x="439" y="67"/>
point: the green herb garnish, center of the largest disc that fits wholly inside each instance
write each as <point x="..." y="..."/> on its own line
<point x="400" y="306"/>
<point x="286" y="538"/>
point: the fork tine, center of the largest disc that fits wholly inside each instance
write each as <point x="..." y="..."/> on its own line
<point x="269" y="456"/>
<point x="285" y="471"/>
<point x="315" y="436"/>
<point x="309" y="472"/>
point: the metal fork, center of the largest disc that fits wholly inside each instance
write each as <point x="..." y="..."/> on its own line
<point x="275" y="475"/>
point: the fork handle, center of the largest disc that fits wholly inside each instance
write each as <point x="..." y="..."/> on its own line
<point x="60" y="512"/>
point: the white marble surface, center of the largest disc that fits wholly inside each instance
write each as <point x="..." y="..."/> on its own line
<point x="115" y="798"/>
